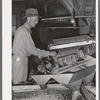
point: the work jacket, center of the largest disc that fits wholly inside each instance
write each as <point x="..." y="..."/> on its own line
<point x="23" y="47"/>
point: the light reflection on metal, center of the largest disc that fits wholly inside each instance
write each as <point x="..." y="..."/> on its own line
<point x="72" y="20"/>
<point x="72" y="45"/>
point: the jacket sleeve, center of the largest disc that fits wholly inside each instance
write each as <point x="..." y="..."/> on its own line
<point x="33" y="50"/>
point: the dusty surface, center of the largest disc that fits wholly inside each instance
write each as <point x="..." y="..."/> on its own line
<point x="47" y="94"/>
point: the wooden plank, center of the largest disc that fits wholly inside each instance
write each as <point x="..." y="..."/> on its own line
<point x="73" y="67"/>
<point x="74" y="70"/>
<point x="27" y="88"/>
<point x="83" y="73"/>
<point x="75" y="86"/>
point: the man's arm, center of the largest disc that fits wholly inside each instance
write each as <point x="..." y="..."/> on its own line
<point x="36" y="51"/>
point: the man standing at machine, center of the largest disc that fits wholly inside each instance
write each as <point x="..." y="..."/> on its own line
<point x="24" y="46"/>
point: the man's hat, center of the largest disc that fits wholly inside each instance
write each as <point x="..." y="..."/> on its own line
<point x="31" y="12"/>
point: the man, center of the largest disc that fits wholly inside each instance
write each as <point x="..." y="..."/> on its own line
<point x="24" y="46"/>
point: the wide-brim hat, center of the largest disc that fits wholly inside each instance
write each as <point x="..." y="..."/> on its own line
<point x="31" y="12"/>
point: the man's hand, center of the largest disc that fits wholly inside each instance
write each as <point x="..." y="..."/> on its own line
<point x="52" y="53"/>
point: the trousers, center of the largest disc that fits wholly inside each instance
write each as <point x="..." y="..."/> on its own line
<point x="19" y="69"/>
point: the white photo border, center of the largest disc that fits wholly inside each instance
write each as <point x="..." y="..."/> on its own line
<point x="7" y="50"/>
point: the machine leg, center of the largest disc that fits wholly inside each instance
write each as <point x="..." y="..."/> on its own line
<point x="43" y="86"/>
<point x="75" y="94"/>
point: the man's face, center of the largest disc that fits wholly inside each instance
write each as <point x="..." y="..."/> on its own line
<point x="33" y="21"/>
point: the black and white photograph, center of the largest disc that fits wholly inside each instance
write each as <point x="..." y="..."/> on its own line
<point x="53" y="50"/>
